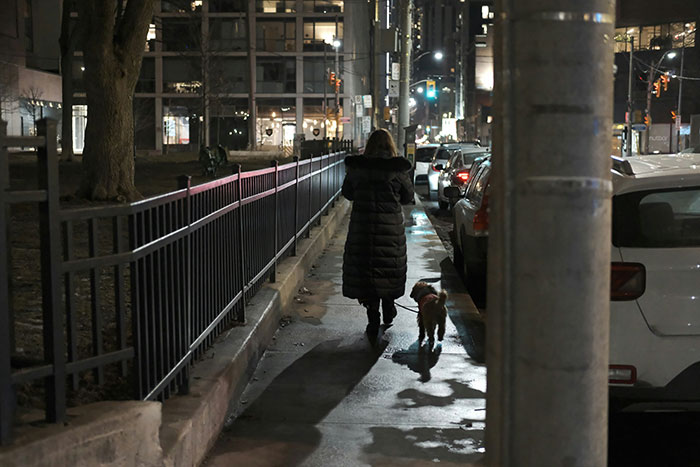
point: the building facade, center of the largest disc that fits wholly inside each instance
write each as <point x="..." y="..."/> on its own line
<point x="194" y="87"/>
<point x="30" y="85"/>
<point x="665" y="72"/>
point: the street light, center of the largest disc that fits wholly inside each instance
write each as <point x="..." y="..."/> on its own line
<point x="438" y="55"/>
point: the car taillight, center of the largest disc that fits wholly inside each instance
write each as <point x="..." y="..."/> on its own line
<point x="627" y="281"/>
<point x="481" y="216"/>
<point x="622" y="374"/>
<point x="435" y="169"/>
<point x="463" y="176"/>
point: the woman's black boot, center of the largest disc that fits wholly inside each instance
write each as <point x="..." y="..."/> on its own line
<point x="372" y="319"/>
<point x="388" y="311"/>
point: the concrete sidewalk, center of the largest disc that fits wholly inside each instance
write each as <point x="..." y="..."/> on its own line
<point x="323" y="395"/>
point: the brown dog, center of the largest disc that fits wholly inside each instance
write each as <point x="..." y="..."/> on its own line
<point x="431" y="311"/>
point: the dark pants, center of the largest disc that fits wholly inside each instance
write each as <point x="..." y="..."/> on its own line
<point x="372" y="305"/>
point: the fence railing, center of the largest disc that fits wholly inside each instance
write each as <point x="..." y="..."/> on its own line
<point x="137" y="292"/>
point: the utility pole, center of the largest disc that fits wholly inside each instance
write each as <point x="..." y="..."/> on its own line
<point x="375" y="68"/>
<point x="405" y="75"/>
<point x="628" y="145"/>
<point x="679" y="117"/>
<point x="550" y="235"/>
<point x="327" y="78"/>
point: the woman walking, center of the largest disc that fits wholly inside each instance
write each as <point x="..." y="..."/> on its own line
<point x="374" y="263"/>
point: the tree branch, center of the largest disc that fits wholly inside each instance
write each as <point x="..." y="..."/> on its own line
<point x="133" y="27"/>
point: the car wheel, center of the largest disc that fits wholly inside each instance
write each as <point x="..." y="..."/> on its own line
<point x="443" y="204"/>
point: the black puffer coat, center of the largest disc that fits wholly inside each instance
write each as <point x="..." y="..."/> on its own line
<point x="374" y="263"/>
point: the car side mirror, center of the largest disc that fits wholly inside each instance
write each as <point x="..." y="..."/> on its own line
<point x="439" y="167"/>
<point x="452" y="192"/>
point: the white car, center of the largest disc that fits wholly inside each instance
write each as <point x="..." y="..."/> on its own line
<point x="424" y="157"/>
<point x="655" y="276"/>
<point x="440" y="158"/>
<point x="655" y="285"/>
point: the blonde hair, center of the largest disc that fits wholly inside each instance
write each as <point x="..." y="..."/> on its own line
<point x="380" y="142"/>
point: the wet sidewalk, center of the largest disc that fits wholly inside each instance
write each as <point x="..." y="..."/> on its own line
<point x="323" y="395"/>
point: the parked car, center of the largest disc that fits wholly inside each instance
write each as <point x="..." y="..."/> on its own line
<point x="424" y="157"/>
<point x="655" y="276"/>
<point x="471" y="228"/>
<point x="440" y="158"/>
<point x="457" y="173"/>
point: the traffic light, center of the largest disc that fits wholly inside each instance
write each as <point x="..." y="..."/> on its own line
<point x="430" y="91"/>
<point x="673" y="115"/>
<point x="657" y="88"/>
<point x="331" y="78"/>
<point x="664" y="81"/>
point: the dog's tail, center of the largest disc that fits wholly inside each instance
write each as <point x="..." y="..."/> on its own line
<point x="442" y="298"/>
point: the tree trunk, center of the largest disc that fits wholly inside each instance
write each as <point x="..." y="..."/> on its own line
<point x="113" y="46"/>
<point x="108" y="159"/>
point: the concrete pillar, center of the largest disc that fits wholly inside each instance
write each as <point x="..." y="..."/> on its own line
<point x="549" y="246"/>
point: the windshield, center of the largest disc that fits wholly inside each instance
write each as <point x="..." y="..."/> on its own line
<point x="441" y="155"/>
<point x="425" y="154"/>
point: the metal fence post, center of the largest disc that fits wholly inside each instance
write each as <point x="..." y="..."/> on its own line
<point x="273" y="273"/>
<point x="241" y="246"/>
<point x="296" y="206"/>
<point x="311" y="190"/>
<point x="6" y="323"/>
<point x="49" y="225"/>
<point x="185" y="182"/>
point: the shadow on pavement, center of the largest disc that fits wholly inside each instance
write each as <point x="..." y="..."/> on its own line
<point x="419" y="359"/>
<point x="296" y="400"/>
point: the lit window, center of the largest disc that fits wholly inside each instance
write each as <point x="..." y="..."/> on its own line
<point x="485" y="12"/>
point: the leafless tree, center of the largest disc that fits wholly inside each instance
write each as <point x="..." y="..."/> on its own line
<point x="8" y="97"/>
<point x="31" y="102"/>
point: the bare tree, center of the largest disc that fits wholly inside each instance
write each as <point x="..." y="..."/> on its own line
<point x="8" y="97"/>
<point x="31" y="102"/>
<point x="113" y="38"/>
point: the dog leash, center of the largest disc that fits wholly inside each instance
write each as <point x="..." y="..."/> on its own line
<point x="406" y="308"/>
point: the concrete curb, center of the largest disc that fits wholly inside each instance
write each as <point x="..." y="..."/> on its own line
<point x="181" y="431"/>
<point x="191" y="424"/>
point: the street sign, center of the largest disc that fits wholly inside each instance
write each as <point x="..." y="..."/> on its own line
<point x="396" y="71"/>
<point x="367" y="101"/>
<point x="639" y="126"/>
<point x="358" y="100"/>
<point x="366" y="124"/>
<point x="359" y="109"/>
<point x="345" y="120"/>
<point x="393" y="88"/>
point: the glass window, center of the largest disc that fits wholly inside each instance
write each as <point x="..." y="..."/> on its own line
<point x="227" y="6"/>
<point x="182" y="34"/>
<point x="181" y="122"/>
<point x="276" y="123"/>
<point x="315" y="75"/>
<point x="324" y="6"/>
<point x="315" y="126"/>
<point x="276" y="75"/>
<point x="424" y="154"/>
<point x="657" y="219"/>
<point x="229" y="123"/>
<point x="228" y="75"/>
<point x="276" y="6"/>
<point x="182" y="74"/>
<point x="276" y="36"/>
<point x="228" y="34"/>
<point x="319" y="35"/>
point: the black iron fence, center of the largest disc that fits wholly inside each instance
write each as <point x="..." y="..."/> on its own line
<point x="137" y="292"/>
